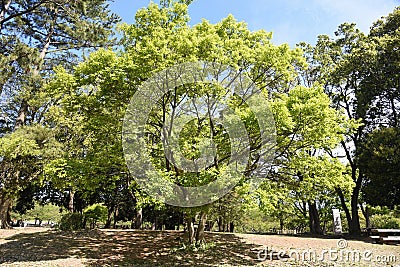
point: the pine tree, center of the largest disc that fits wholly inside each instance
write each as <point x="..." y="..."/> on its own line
<point x="37" y="35"/>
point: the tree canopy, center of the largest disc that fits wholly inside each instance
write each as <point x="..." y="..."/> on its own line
<point x="68" y="88"/>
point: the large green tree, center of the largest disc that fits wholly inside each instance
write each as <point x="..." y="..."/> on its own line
<point x="91" y="101"/>
<point x="160" y="37"/>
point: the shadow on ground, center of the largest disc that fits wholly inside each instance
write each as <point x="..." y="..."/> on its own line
<point x="363" y="238"/>
<point x="123" y="248"/>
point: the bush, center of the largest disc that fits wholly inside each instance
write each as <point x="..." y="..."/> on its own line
<point x="385" y="221"/>
<point x="72" y="222"/>
<point x="95" y="213"/>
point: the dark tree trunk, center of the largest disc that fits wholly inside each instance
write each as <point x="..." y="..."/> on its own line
<point x="220" y="224"/>
<point x="109" y="218"/>
<point x="354" y="226"/>
<point x="210" y="225"/>
<point x="315" y="224"/>
<point x="353" y="219"/>
<point x="352" y="216"/>
<point x="344" y="206"/>
<point x="231" y="227"/>
<point x="324" y="228"/>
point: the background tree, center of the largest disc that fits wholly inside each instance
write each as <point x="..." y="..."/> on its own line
<point x="380" y="162"/>
<point x="35" y="37"/>
<point x="358" y="72"/>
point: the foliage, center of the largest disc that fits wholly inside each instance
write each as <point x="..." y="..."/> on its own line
<point x="24" y="154"/>
<point x="95" y="213"/>
<point x="385" y="221"/>
<point x="35" y="37"/>
<point x="72" y="222"/>
<point x="45" y="213"/>
<point x="256" y="221"/>
<point x="104" y="83"/>
<point x="380" y="161"/>
<point x="48" y="212"/>
<point x="360" y="74"/>
<point x="60" y="126"/>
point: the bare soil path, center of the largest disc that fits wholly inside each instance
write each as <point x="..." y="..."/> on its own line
<point x="43" y="247"/>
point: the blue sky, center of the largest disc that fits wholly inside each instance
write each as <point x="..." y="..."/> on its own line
<point x="291" y="21"/>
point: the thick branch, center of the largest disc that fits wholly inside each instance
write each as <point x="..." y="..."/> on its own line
<point x="3" y="19"/>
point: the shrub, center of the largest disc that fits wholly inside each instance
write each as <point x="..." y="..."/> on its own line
<point x="385" y="221"/>
<point x="72" y="222"/>
<point x="95" y="213"/>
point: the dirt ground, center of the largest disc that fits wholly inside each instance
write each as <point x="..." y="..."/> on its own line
<point x="43" y="247"/>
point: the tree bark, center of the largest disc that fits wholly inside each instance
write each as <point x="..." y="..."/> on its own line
<point x="109" y="217"/>
<point x="315" y="223"/>
<point x="231" y="227"/>
<point x="190" y="228"/>
<point x="220" y="224"/>
<point x="344" y="206"/>
<point x="200" y="229"/>
<point x="5" y="204"/>
<point x="71" y="200"/>
<point x="139" y="218"/>
<point x="353" y="219"/>
<point x="365" y="212"/>
<point x="354" y="226"/>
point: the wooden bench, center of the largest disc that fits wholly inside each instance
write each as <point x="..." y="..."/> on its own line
<point x="390" y="240"/>
<point x="385" y="236"/>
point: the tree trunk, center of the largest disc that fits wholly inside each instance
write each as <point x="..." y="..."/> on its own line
<point x="220" y="224"/>
<point x="5" y="219"/>
<point x="353" y="219"/>
<point x="344" y="206"/>
<point x="109" y="218"/>
<point x="190" y="228"/>
<point x="71" y="200"/>
<point x="139" y="219"/>
<point x="231" y="227"/>
<point x="210" y="226"/>
<point x="115" y="217"/>
<point x="367" y="220"/>
<point x="200" y="229"/>
<point x="354" y="226"/>
<point x="315" y="224"/>
<point x="324" y="228"/>
<point x="22" y="113"/>
<point x="281" y="224"/>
